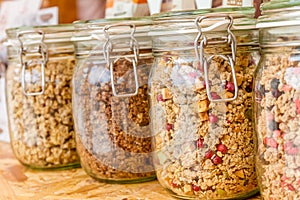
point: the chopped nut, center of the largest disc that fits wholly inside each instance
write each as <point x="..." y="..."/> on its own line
<point x="166" y="93"/>
<point x="203" y="106"/>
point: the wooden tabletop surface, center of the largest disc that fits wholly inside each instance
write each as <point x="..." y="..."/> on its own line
<point x="20" y="183"/>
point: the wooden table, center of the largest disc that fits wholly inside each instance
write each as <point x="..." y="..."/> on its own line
<point x="20" y="183"/>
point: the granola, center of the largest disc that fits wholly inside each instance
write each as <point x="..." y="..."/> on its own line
<point x="203" y="149"/>
<point x="277" y="103"/>
<point x="41" y="126"/>
<point x="113" y="134"/>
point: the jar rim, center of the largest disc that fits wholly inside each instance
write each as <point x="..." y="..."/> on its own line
<point x="279" y="14"/>
<point x="243" y="19"/>
<point x="52" y="33"/>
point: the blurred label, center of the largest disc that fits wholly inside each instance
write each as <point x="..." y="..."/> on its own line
<point x="47" y="16"/>
<point x="126" y="8"/>
<point x="202" y="4"/>
<point x="158" y="6"/>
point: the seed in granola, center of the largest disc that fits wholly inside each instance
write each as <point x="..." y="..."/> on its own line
<point x="229" y="86"/>
<point x="270" y="142"/>
<point x="195" y="188"/>
<point x="217" y="160"/>
<point x="222" y="148"/>
<point x="274" y="83"/>
<point x="209" y="154"/>
<point x="213" y="118"/>
<point x="200" y="143"/>
<point x="169" y="127"/>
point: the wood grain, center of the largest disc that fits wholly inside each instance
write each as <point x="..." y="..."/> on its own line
<point x="20" y="183"/>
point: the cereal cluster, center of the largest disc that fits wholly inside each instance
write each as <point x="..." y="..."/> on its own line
<point x="277" y="103"/>
<point x="113" y="134"/>
<point x="203" y="149"/>
<point x="41" y="126"/>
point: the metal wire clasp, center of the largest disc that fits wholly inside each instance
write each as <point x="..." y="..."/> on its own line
<point x="24" y="51"/>
<point x="108" y="49"/>
<point x="201" y="41"/>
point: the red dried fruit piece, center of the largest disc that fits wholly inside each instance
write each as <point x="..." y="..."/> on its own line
<point x="159" y="97"/>
<point x="174" y="185"/>
<point x="200" y="143"/>
<point x="290" y="187"/>
<point x="297" y="102"/>
<point x="209" y="154"/>
<point x="288" y="145"/>
<point x="222" y="148"/>
<point x="214" y="95"/>
<point x="229" y="87"/>
<point x="217" y="160"/>
<point x="213" y="118"/>
<point x="286" y="88"/>
<point x="169" y="127"/>
<point x="276" y="133"/>
<point x="270" y="142"/>
<point x="195" y="188"/>
<point x="292" y="151"/>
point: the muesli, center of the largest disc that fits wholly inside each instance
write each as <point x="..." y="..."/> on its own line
<point x="41" y="126"/>
<point x="277" y="97"/>
<point x="203" y="149"/>
<point x="114" y="140"/>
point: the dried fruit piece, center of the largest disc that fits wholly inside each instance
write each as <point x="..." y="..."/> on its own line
<point x="222" y="148"/>
<point x="159" y="97"/>
<point x="203" y="106"/>
<point x="196" y="188"/>
<point x="209" y="154"/>
<point x="169" y="127"/>
<point x="240" y="174"/>
<point x="217" y="160"/>
<point x="215" y="96"/>
<point x="229" y="86"/>
<point x="166" y="94"/>
<point x="270" y="142"/>
<point x="203" y="116"/>
<point x="200" y="143"/>
<point x="175" y="185"/>
<point x="213" y="118"/>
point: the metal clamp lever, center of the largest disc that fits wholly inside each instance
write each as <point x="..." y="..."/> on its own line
<point x="108" y="49"/>
<point x="42" y="50"/>
<point x="230" y="40"/>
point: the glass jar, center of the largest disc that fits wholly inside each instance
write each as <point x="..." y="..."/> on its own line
<point x="277" y="101"/>
<point x="41" y="61"/>
<point x="201" y="100"/>
<point x="111" y="109"/>
<point x="4" y="136"/>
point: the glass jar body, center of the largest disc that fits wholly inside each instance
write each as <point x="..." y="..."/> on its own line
<point x="277" y="114"/>
<point x="113" y="134"/>
<point x="203" y="149"/>
<point x="41" y="126"/>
